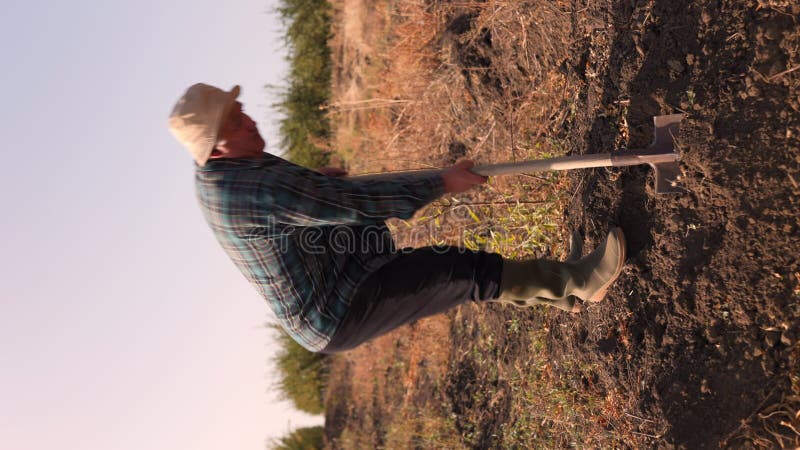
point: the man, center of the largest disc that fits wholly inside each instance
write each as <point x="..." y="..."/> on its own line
<point x="315" y="245"/>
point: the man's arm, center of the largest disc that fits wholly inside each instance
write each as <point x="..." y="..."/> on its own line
<point x="304" y="198"/>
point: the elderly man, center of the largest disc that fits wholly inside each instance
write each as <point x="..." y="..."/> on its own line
<point x="315" y="245"/>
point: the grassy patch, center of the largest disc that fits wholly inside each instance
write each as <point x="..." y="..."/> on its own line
<point x="305" y="129"/>
<point x="302" y="374"/>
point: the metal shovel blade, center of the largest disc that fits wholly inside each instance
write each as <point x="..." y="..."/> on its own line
<point x="667" y="174"/>
<point x="662" y="155"/>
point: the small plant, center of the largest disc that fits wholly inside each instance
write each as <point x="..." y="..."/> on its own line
<point x="690" y="97"/>
<point x="520" y="230"/>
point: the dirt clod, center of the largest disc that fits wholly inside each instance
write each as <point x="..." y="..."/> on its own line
<point x="772" y="338"/>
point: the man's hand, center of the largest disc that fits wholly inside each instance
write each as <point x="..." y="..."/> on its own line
<point x="458" y="178"/>
<point x="332" y="171"/>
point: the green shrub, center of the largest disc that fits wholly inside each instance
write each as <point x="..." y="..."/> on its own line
<point x="302" y="374"/>
<point x="308" y="438"/>
<point x="302" y="103"/>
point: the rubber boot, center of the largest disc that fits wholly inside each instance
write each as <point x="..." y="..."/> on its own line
<point x="554" y="283"/>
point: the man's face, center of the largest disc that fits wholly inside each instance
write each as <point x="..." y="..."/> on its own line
<point x="239" y="136"/>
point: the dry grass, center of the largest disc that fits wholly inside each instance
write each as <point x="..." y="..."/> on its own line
<point x="384" y="407"/>
<point x="426" y="96"/>
<point x="428" y="89"/>
<point x="422" y="85"/>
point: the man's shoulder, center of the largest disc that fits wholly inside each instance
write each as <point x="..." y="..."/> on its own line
<point x="230" y="181"/>
<point x="218" y="171"/>
<point x="234" y="164"/>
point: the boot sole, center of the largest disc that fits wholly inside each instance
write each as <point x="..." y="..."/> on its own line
<point x="601" y="293"/>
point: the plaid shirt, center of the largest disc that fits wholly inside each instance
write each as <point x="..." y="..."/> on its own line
<point x="305" y="240"/>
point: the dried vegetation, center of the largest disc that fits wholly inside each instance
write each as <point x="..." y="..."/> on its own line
<point x="421" y="83"/>
<point x="428" y="83"/>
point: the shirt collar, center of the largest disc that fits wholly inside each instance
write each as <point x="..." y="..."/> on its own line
<point x="232" y="163"/>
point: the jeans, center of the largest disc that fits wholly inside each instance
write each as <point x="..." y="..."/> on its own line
<point x="421" y="283"/>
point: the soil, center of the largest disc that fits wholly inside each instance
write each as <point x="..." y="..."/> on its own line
<point x="709" y="300"/>
<point x="699" y="337"/>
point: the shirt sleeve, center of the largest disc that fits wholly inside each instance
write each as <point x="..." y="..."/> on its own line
<point x="301" y="197"/>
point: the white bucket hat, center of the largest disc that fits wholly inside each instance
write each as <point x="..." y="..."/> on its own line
<point x="197" y="117"/>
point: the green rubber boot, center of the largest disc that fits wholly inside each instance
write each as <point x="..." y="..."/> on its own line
<point x="554" y="283"/>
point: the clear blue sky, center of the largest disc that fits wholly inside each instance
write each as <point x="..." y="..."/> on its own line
<point x="123" y="325"/>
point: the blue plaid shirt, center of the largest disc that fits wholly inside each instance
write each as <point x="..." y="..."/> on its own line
<point x="305" y="240"/>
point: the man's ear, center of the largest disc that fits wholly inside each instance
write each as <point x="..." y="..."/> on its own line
<point x="220" y="148"/>
<point x="216" y="152"/>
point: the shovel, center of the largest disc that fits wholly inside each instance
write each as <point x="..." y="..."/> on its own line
<point x="661" y="155"/>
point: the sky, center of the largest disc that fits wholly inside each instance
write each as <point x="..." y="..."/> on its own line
<point x="123" y="325"/>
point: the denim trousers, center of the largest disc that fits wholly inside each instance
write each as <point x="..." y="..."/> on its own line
<point x="416" y="284"/>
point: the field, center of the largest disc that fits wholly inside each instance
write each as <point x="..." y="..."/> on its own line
<point x="697" y="345"/>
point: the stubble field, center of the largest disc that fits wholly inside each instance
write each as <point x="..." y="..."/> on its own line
<point x="697" y="345"/>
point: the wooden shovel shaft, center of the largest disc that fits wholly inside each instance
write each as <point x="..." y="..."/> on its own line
<point x="561" y="163"/>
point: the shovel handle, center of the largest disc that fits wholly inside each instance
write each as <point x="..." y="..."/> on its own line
<point x="626" y="158"/>
<point x="560" y="163"/>
<point x="510" y="168"/>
